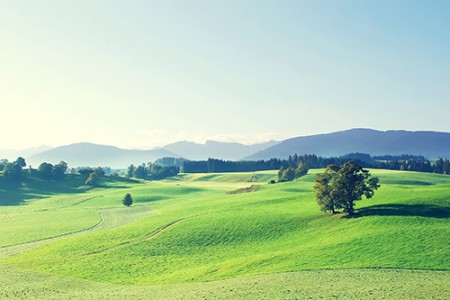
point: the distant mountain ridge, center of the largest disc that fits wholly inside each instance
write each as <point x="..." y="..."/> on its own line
<point x="392" y="142"/>
<point x="12" y="154"/>
<point x="430" y="144"/>
<point x="92" y="155"/>
<point x="212" y="149"/>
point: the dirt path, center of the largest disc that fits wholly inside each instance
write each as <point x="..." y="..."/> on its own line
<point x="109" y="218"/>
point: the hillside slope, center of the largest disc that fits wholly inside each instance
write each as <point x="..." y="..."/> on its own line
<point x="202" y="233"/>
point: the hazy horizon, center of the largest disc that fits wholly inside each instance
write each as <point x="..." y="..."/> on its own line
<point x="145" y="74"/>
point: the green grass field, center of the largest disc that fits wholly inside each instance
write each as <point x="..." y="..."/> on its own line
<point x="188" y="237"/>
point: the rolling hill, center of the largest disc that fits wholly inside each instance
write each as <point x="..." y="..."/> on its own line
<point x="189" y="238"/>
<point x="213" y="149"/>
<point x="394" y="142"/>
<point x="87" y="154"/>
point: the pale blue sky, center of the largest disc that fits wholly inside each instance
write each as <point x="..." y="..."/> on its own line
<point x="147" y="73"/>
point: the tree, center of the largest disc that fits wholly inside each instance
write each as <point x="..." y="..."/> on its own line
<point x="92" y="180"/>
<point x="85" y="171"/>
<point x="301" y="170"/>
<point x="140" y="172"/>
<point x="13" y="171"/>
<point x="59" y="170"/>
<point x="439" y="166"/>
<point x="340" y="188"/>
<point x="45" y="170"/>
<point x="99" y="171"/>
<point x="127" y="200"/>
<point x="130" y="171"/>
<point x="3" y="163"/>
<point x="21" y="162"/>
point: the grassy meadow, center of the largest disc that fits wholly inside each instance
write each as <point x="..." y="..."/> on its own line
<point x="189" y="237"/>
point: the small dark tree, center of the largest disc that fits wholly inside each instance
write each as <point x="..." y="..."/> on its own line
<point x="127" y="200"/>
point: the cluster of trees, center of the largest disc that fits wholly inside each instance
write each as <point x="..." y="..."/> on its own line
<point x="93" y="175"/>
<point x="339" y="187"/>
<point x="152" y="171"/>
<point x="442" y="166"/>
<point x="292" y="173"/>
<point x="170" y="162"/>
<point x="15" y="170"/>
<point x="49" y="171"/>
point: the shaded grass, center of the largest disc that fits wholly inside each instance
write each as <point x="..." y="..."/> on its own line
<point x="418" y="210"/>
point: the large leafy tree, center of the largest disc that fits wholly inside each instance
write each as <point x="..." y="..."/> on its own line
<point x="340" y="188"/>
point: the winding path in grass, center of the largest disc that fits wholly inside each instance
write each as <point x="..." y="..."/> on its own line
<point x="137" y="241"/>
<point x="109" y="218"/>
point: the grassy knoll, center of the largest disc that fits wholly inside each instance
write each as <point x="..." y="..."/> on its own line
<point x="198" y="232"/>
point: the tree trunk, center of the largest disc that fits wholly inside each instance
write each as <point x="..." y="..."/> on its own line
<point x="350" y="208"/>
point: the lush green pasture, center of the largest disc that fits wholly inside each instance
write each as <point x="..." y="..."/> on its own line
<point x="316" y="284"/>
<point x="189" y="229"/>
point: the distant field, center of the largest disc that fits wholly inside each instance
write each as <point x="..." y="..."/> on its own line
<point x="188" y="230"/>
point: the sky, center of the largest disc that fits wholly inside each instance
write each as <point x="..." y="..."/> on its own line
<point x="141" y="74"/>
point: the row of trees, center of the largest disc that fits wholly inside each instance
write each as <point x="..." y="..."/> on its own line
<point x="15" y="170"/>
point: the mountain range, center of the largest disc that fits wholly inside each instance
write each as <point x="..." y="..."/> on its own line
<point x="88" y="154"/>
<point x="212" y="149"/>
<point x="393" y="142"/>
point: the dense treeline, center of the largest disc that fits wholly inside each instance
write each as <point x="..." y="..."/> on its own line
<point x="391" y="162"/>
<point x="217" y="165"/>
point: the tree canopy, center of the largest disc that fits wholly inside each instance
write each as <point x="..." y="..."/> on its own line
<point x="339" y="188"/>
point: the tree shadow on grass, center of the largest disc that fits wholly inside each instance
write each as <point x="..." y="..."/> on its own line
<point x="407" y="210"/>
